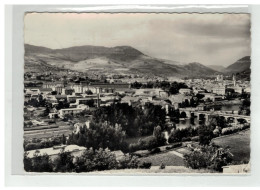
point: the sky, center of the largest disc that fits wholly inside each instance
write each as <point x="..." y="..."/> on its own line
<point x="210" y="39"/>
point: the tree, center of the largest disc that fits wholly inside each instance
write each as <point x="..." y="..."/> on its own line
<point x="157" y="133"/>
<point x="197" y="159"/>
<point x="28" y="165"/>
<point x="63" y="139"/>
<point x="64" y="162"/>
<point x="54" y="93"/>
<point x="175" y="136"/>
<point x="175" y="87"/>
<point x="210" y="157"/>
<point x="46" y="112"/>
<point x="90" y="103"/>
<point x="39" y="163"/>
<point x="99" y="135"/>
<point x="205" y="133"/>
<point x="89" y="92"/>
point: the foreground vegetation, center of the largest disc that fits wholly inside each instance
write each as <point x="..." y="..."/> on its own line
<point x="239" y="145"/>
<point x="90" y="160"/>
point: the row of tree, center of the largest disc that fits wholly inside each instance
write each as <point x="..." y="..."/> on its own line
<point x="90" y="160"/>
<point x="135" y="121"/>
<point x="173" y="87"/>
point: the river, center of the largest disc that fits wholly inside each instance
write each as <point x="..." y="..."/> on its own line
<point x="194" y="122"/>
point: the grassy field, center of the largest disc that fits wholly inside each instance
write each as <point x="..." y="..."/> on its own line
<point x="238" y="143"/>
<point x="167" y="170"/>
<point x="168" y="158"/>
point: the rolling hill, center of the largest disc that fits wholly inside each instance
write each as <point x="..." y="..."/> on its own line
<point x="119" y="59"/>
<point x="218" y="68"/>
<point x="241" y="65"/>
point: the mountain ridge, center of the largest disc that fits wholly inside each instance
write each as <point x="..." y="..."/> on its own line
<point x="240" y="65"/>
<point x="113" y="60"/>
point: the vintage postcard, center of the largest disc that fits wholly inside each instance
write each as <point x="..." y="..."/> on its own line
<point x="137" y="93"/>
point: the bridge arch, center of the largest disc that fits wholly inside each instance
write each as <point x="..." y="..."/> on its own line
<point x="183" y="114"/>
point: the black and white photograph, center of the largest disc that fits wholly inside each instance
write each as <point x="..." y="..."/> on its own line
<point x="137" y="93"/>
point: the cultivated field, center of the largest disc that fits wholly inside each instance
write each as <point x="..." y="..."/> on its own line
<point x="47" y="133"/>
<point x="238" y="143"/>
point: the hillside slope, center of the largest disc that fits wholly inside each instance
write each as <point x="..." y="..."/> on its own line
<point x="240" y="65"/>
<point x="120" y="59"/>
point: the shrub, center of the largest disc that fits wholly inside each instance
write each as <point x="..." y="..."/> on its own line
<point x="145" y="165"/>
<point x="185" y="139"/>
<point x="146" y="143"/>
<point x="162" y="166"/>
<point x="128" y="161"/>
<point x="205" y="134"/>
<point x="230" y="130"/>
<point x="210" y="157"/>
<point x="178" y="134"/>
<point x="175" y="145"/>
<point x="155" y="150"/>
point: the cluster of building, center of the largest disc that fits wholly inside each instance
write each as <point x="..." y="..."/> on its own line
<point x="78" y="96"/>
<point x="85" y="96"/>
<point x="219" y="86"/>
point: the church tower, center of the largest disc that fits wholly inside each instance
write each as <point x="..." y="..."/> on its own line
<point x="234" y="80"/>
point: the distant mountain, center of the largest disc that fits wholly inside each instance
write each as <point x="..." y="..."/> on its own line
<point x="195" y="68"/>
<point x="218" y="68"/>
<point x="239" y="66"/>
<point x="119" y="59"/>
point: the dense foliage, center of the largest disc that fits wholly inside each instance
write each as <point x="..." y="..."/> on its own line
<point x="90" y="160"/>
<point x="99" y="135"/>
<point x="150" y="142"/>
<point x="180" y="135"/>
<point x="210" y="157"/>
<point x="40" y="143"/>
<point x="135" y="121"/>
<point x="173" y="87"/>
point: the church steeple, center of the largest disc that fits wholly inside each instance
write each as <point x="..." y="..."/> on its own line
<point x="234" y="80"/>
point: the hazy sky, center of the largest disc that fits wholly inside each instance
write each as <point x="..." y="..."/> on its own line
<point x="211" y="39"/>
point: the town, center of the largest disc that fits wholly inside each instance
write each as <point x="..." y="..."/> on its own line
<point x="135" y="121"/>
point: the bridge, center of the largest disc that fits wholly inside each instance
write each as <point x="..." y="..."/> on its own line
<point x="192" y="112"/>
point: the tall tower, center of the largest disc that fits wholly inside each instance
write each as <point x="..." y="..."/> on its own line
<point x="234" y="80"/>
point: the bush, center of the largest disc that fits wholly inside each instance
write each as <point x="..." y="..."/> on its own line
<point x="90" y="160"/>
<point x="210" y="157"/>
<point x="146" y="143"/>
<point x="178" y="134"/>
<point x="185" y="139"/>
<point x="162" y="166"/>
<point x="128" y="161"/>
<point x="155" y="150"/>
<point x="145" y="165"/>
<point x="205" y="134"/>
<point x="175" y="145"/>
<point x="230" y="130"/>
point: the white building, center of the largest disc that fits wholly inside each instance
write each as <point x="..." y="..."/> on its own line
<point x="219" y="90"/>
<point x="72" y="111"/>
<point x="242" y="168"/>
